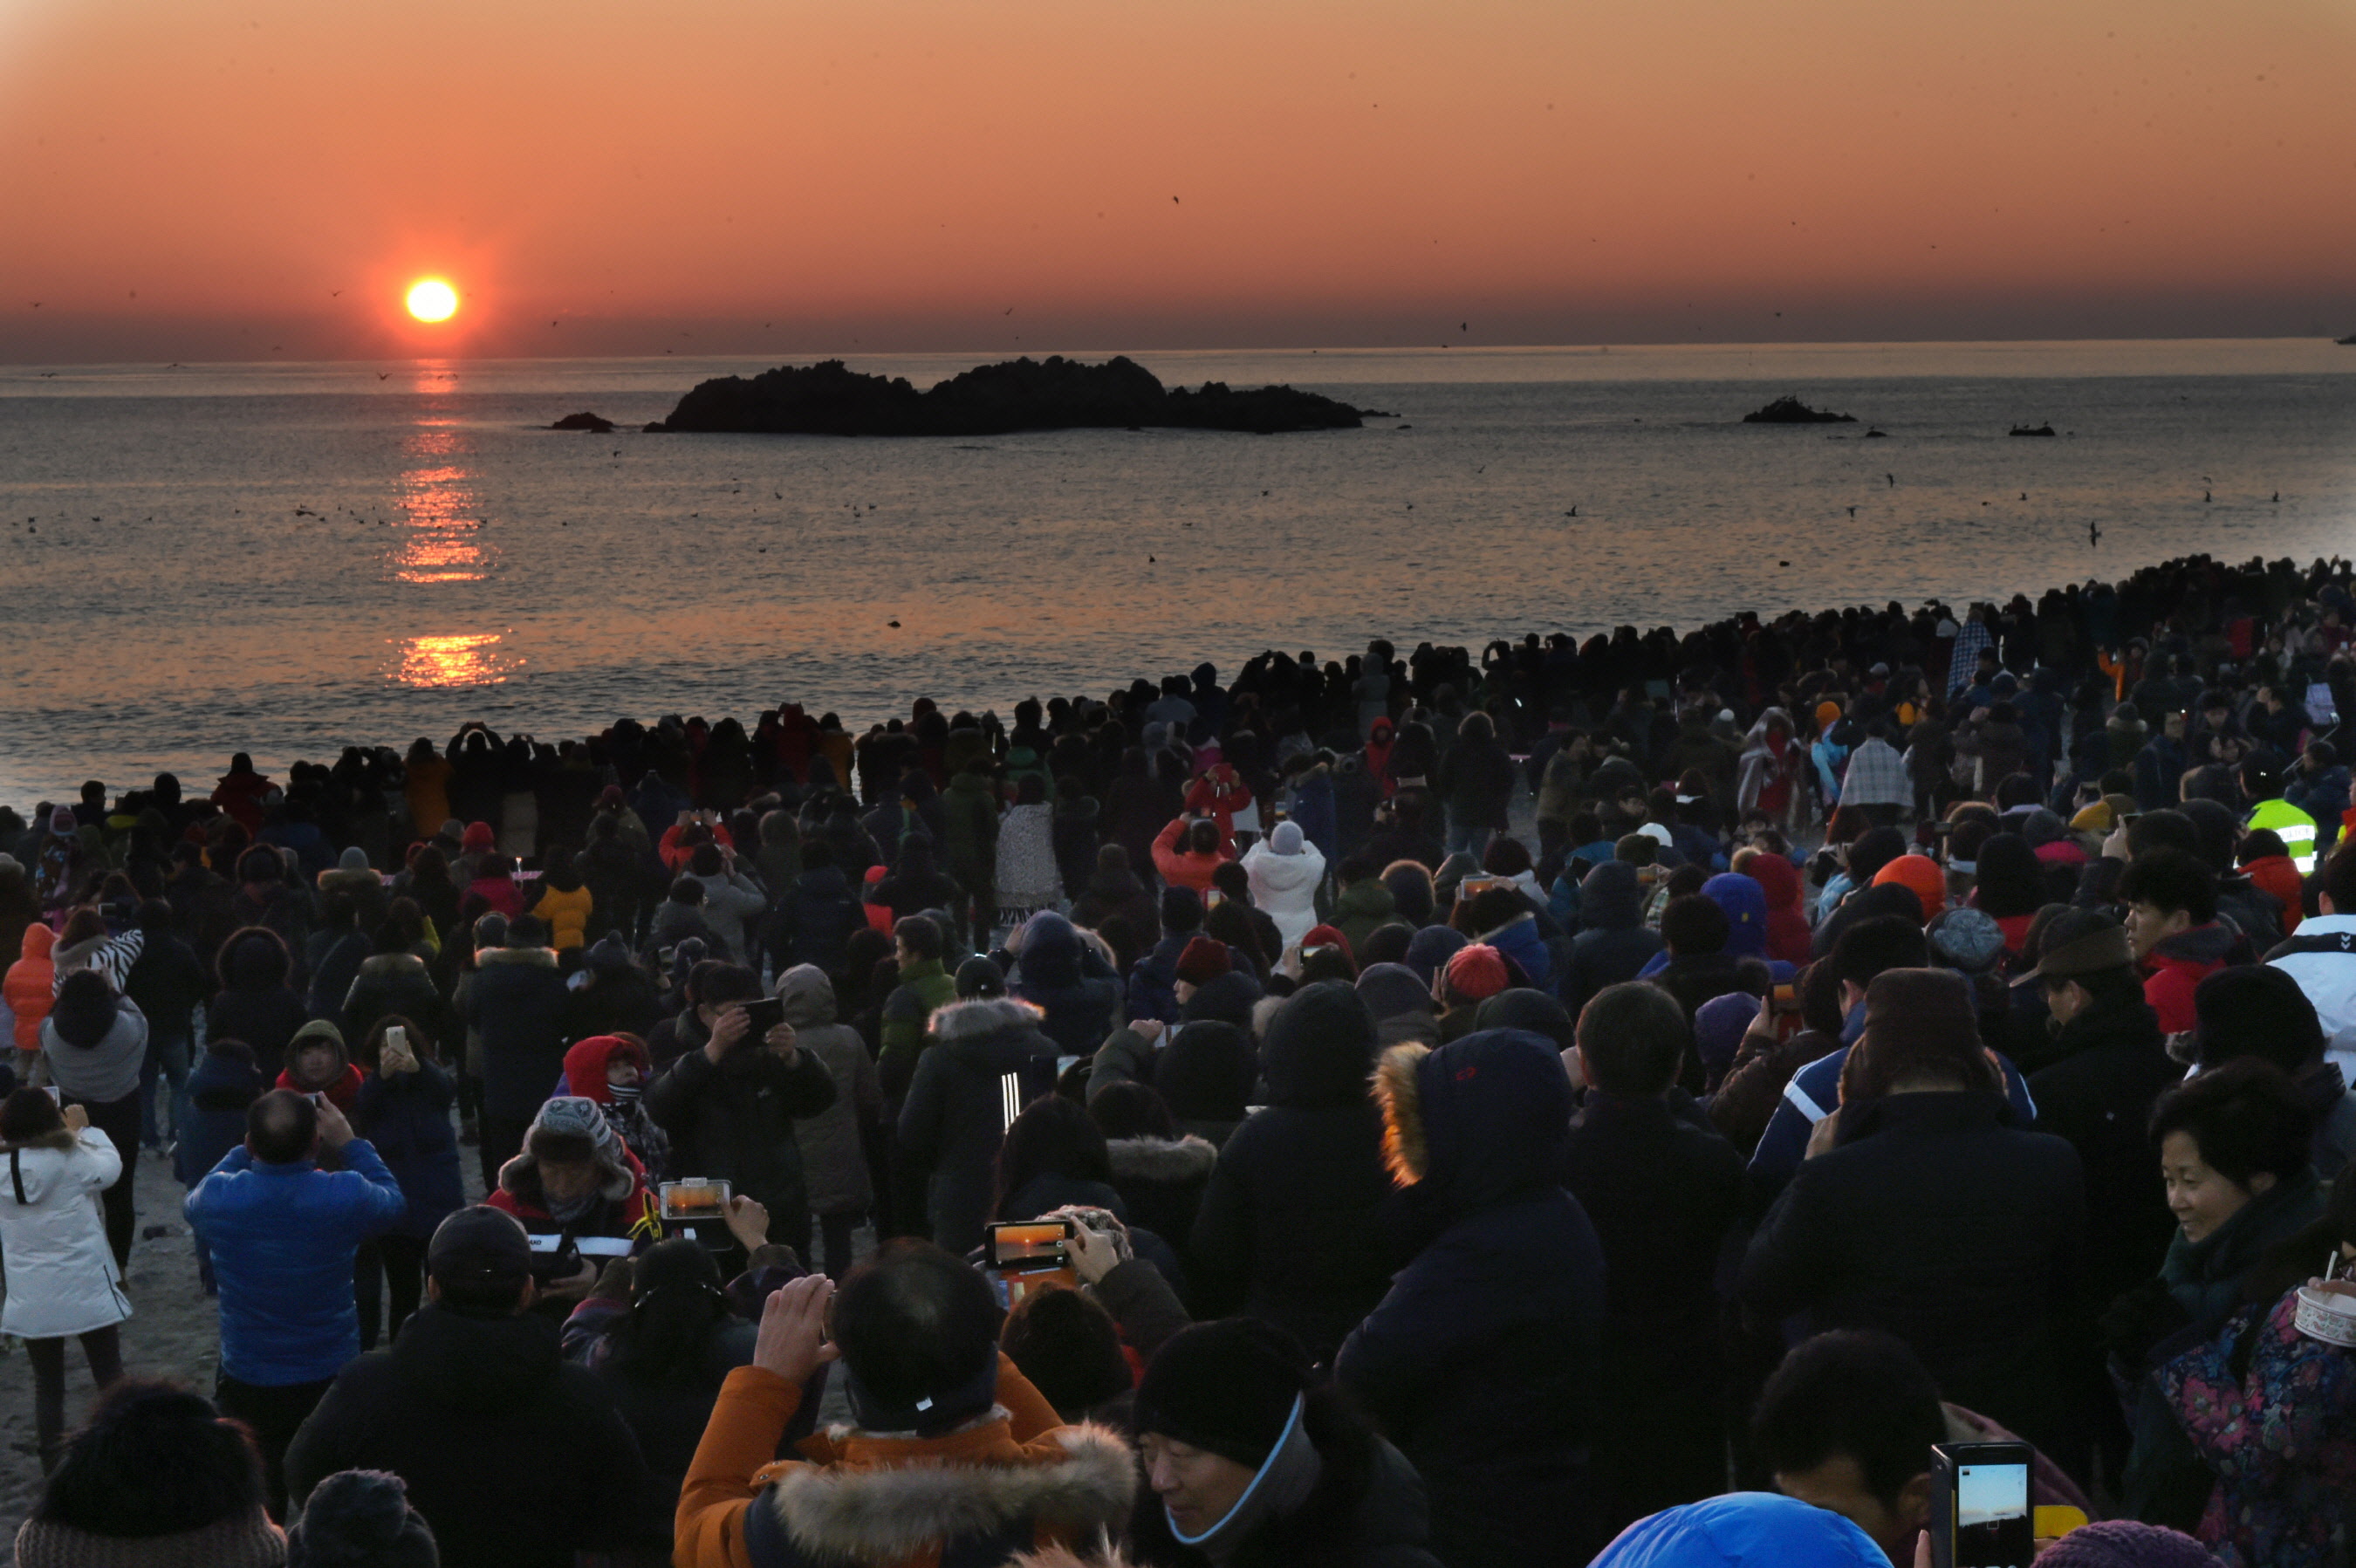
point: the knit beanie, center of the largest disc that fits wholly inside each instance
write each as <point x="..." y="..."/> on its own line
<point x="1330" y="937"/>
<point x="1286" y="839"/>
<point x="1968" y="940"/>
<point x="1476" y="973"/>
<point x="1920" y="874"/>
<point x="360" y="1518"/>
<point x="354" y="858"/>
<point x="1202" y="962"/>
<point x="979" y="977"/>
<point x="571" y="1127"/>
<point x="2124" y="1543"/>
<point x="1226" y="1387"/>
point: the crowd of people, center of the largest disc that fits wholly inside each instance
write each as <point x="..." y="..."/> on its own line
<point x="1620" y="1102"/>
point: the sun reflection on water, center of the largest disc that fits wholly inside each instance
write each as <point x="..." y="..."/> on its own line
<point x="472" y="659"/>
<point x="440" y="541"/>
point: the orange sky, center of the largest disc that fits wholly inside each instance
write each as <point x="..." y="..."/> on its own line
<point x="186" y="178"/>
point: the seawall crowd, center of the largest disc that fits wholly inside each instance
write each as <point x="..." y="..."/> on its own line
<point x="1618" y="1101"/>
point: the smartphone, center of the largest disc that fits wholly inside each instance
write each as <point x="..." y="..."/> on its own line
<point x="1031" y="1255"/>
<point x="396" y="1038"/>
<point x="695" y="1198"/>
<point x="1980" y="1512"/>
<point x="1785" y="998"/>
<point x="765" y="1014"/>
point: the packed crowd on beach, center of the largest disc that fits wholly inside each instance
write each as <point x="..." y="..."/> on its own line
<point x="1620" y="1102"/>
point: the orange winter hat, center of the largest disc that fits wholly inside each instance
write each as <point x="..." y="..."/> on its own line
<point x="1828" y="713"/>
<point x="1922" y="874"/>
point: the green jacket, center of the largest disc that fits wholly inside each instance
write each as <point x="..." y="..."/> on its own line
<point x="925" y="986"/>
<point x="1362" y="907"/>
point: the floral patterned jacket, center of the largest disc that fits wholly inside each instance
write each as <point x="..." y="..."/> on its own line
<point x="2281" y="1437"/>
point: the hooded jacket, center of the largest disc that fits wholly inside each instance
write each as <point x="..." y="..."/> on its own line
<point x="834" y="1158"/>
<point x="515" y="1001"/>
<point x="735" y="1121"/>
<point x="1787" y="927"/>
<point x="1161" y="1180"/>
<point x="219" y="1090"/>
<point x="818" y="917"/>
<point x="1482" y="1360"/>
<point x="62" y="1278"/>
<point x="1013" y="1479"/>
<point x="516" y="1457"/>
<point x="1206" y="1068"/>
<point x="1291" y="1228"/>
<point x="586" y="1067"/>
<point x="30" y="986"/>
<point x="955" y="1113"/>
<point x="397" y="984"/>
<point x="1613" y="942"/>
<point x="1362" y="908"/>
<point x="1077" y="994"/>
<point x="255" y="1003"/>
<point x="1285" y="886"/>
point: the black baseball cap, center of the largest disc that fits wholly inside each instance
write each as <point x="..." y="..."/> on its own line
<point x="479" y="1246"/>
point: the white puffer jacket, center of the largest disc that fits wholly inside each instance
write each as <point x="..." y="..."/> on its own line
<point x="61" y="1276"/>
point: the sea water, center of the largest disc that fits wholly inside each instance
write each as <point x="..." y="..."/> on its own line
<point x="286" y="559"/>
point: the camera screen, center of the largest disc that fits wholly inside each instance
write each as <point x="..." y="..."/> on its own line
<point x="1992" y="1517"/>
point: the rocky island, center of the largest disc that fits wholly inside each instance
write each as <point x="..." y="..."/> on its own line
<point x="1056" y="393"/>
<point x="1790" y="410"/>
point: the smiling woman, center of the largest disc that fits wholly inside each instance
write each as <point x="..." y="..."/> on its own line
<point x="431" y="299"/>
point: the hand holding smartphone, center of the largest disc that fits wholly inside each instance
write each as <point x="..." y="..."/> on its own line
<point x="1980" y="1511"/>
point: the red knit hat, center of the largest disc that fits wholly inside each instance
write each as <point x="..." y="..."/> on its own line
<point x="1475" y="974"/>
<point x="1203" y="961"/>
<point x="1328" y="937"/>
<point x="1920" y="874"/>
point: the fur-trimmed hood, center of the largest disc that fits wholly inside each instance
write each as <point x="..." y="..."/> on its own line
<point x="1170" y="1160"/>
<point x="1482" y="1119"/>
<point x="890" y="1513"/>
<point x="993" y="1035"/>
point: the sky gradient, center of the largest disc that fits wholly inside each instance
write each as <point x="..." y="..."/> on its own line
<point x="190" y="179"/>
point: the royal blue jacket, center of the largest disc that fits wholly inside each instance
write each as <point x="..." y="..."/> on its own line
<point x="283" y="1238"/>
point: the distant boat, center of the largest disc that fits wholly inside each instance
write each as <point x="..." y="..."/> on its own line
<point x="2349" y="341"/>
<point x="2029" y="430"/>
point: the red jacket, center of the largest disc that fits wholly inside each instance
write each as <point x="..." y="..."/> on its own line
<point x="2275" y="874"/>
<point x="344" y="1095"/>
<point x="2177" y="965"/>
<point x="1183" y="868"/>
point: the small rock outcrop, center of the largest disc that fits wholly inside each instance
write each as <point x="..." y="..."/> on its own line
<point x="2031" y="430"/>
<point x="595" y="423"/>
<point x="1790" y="410"/>
<point x="1056" y="393"/>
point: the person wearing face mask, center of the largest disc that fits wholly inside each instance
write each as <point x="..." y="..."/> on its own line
<point x="2234" y="1147"/>
<point x="1251" y="1458"/>
<point x="611" y="1070"/>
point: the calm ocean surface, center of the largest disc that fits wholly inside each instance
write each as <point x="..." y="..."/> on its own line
<point x="289" y="558"/>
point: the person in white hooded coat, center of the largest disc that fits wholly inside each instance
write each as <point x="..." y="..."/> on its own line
<point x="1285" y="869"/>
<point x="62" y="1279"/>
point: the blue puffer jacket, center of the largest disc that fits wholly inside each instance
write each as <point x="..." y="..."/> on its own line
<point x="407" y="1117"/>
<point x="283" y="1238"/>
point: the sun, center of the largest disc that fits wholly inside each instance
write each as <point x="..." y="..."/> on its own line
<point x="431" y="299"/>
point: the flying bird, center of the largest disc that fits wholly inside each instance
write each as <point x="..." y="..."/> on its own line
<point x="333" y="293"/>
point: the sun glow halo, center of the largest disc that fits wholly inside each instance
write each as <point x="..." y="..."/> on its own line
<point x="431" y="299"/>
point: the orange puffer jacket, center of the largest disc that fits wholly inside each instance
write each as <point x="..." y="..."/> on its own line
<point x="28" y="988"/>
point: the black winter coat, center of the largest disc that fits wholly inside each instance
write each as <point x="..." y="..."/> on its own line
<point x="736" y="1122"/>
<point x="168" y="985"/>
<point x="516" y="1457"/>
<point x="1482" y="1361"/>
<point x="1613" y="942"/>
<point x="1292" y="1225"/>
<point x="2111" y="1064"/>
<point x="815" y="918"/>
<point x="1936" y="1223"/>
<point x="516" y="1004"/>
<point x="397" y="984"/>
<point x="954" y="1117"/>
<point x="1661" y="1192"/>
